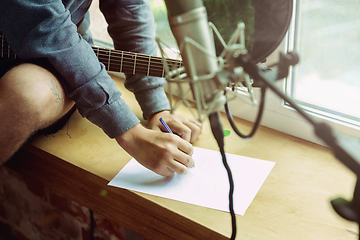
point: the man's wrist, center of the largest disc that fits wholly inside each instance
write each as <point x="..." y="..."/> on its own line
<point x="129" y="135"/>
<point x="150" y="117"/>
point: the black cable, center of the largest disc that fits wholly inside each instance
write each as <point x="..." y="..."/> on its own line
<point x="217" y="130"/>
<point x="257" y="121"/>
<point x="92" y="224"/>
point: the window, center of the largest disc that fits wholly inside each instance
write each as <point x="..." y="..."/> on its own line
<point x="327" y="80"/>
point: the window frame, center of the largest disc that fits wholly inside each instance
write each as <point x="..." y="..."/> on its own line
<point x="279" y="115"/>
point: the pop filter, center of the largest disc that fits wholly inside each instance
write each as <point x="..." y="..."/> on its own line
<point x="266" y="22"/>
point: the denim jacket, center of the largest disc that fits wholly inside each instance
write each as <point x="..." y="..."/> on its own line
<point x="48" y="29"/>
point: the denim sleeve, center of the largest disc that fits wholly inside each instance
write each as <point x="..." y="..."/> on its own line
<point x="44" y="29"/>
<point x="131" y="26"/>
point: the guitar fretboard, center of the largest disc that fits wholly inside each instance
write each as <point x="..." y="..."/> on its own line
<point x="134" y="63"/>
<point x="116" y="60"/>
<point x="6" y="51"/>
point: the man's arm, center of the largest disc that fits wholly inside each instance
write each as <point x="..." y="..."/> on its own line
<point x="131" y="26"/>
<point x="46" y="30"/>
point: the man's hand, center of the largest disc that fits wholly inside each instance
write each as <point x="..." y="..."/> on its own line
<point x="163" y="153"/>
<point x="187" y="128"/>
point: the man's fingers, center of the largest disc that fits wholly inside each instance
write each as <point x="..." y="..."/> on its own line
<point x="178" y="167"/>
<point x="197" y="123"/>
<point x="185" y="159"/>
<point x="181" y="157"/>
<point x="196" y="128"/>
<point x="185" y="147"/>
<point x="188" y="130"/>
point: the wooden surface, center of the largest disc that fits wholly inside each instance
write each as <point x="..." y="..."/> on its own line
<point x="294" y="202"/>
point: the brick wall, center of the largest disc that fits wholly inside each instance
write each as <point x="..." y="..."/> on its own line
<point x="30" y="211"/>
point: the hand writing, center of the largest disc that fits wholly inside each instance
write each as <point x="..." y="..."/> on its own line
<point x="187" y="128"/>
<point x="163" y="153"/>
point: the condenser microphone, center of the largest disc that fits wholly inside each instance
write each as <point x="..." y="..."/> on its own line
<point x="204" y="70"/>
<point x="189" y="24"/>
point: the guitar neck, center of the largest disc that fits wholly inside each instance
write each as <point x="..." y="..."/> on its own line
<point x="134" y="63"/>
<point x="6" y="52"/>
<point x="116" y="60"/>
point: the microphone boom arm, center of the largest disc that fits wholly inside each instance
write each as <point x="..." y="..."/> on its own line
<point x="346" y="149"/>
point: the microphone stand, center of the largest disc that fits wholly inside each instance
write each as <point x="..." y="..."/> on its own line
<point x="346" y="149"/>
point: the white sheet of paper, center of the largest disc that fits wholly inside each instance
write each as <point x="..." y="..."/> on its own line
<point x="205" y="185"/>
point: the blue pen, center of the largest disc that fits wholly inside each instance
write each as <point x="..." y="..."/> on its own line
<point x="165" y="125"/>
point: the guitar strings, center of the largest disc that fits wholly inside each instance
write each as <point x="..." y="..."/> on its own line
<point x="113" y="52"/>
<point x="126" y="60"/>
<point x="139" y="60"/>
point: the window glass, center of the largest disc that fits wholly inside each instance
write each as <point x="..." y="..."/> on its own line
<point x="327" y="37"/>
<point x="162" y="28"/>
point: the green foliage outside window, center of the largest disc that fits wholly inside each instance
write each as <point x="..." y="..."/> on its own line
<point x="225" y="14"/>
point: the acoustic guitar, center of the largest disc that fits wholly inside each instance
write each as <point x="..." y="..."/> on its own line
<point x="116" y="60"/>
